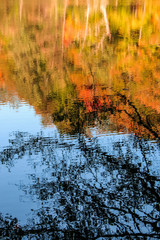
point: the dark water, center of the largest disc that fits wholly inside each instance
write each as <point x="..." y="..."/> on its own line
<point x="80" y="119"/>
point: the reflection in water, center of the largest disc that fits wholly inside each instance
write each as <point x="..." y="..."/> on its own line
<point x="88" y="192"/>
<point x="74" y="57"/>
<point x="92" y="69"/>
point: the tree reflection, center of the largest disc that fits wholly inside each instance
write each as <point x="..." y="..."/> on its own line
<point x="87" y="192"/>
<point x="82" y="66"/>
<point x="99" y="76"/>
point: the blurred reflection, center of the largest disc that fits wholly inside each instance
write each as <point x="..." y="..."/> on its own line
<point x="85" y="66"/>
<point x="101" y="56"/>
<point x="87" y="192"/>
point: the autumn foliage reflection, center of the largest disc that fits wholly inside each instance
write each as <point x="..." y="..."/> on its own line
<point x="85" y="65"/>
<point x="99" y="60"/>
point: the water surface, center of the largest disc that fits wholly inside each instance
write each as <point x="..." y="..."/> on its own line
<point x="80" y="119"/>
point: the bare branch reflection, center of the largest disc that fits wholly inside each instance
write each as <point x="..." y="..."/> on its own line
<point x="89" y="193"/>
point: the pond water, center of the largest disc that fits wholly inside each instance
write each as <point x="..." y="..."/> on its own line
<point x="80" y="119"/>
